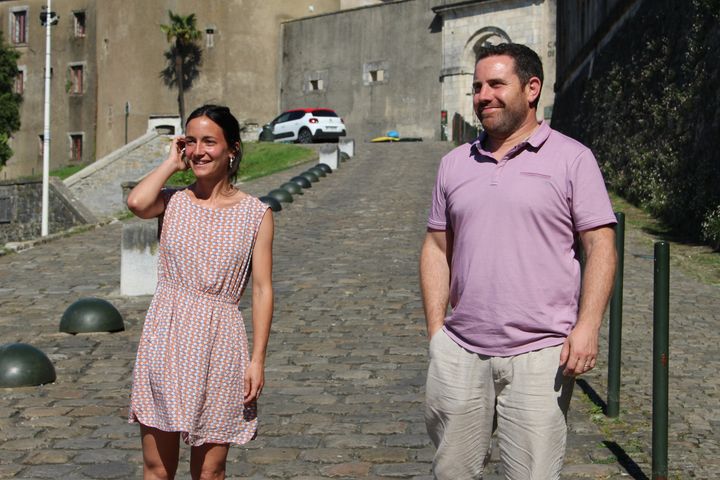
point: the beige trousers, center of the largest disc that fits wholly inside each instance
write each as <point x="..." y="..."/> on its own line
<point x="528" y="392"/>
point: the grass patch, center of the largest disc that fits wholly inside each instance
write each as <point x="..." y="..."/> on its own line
<point x="695" y="260"/>
<point x="64" y="172"/>
<point x="259" y="159"/>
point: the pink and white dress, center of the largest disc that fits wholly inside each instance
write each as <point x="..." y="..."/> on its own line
<point x="193" y="352"/>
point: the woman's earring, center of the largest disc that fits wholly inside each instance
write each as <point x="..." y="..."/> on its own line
<point x="230" y="165"/>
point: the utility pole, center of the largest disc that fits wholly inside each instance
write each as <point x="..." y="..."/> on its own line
<point x="47" y="19"/>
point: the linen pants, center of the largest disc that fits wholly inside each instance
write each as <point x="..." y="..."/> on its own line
<point x="528" y="392"/>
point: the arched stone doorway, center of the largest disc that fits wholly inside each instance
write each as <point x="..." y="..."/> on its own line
<point x="465" y="125"/>
<point x="484" y="37"/>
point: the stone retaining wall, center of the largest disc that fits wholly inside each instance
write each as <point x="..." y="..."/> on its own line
<point x="21" y="209"/>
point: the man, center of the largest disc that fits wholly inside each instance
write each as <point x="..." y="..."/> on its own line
<point x="501" y="249"/>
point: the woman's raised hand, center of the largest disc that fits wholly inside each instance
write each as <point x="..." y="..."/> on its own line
<point x="177" y="154"/>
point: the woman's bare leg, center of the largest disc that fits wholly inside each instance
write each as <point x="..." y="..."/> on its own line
<point x="207" y="462"/>
<point x="161" y="451"/>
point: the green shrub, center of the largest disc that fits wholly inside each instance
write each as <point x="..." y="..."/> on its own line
<point x="711" y="228"/>
<point x="650" y="111"/>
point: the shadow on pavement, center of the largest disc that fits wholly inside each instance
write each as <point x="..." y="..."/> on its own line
<point x="621" y="455"/>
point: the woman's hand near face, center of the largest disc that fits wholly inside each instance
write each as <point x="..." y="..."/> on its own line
<point x="176" y="156"/>
<point x="145" y="200"/>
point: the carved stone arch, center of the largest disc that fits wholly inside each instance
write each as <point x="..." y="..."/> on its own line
<point x="483" y="37"/>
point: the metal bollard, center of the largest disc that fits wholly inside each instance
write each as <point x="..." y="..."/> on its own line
<point x="661" y="360"/>
<point x="615" y="328"/>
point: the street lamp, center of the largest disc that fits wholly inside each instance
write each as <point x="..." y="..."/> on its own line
<point x="48" y="18"/>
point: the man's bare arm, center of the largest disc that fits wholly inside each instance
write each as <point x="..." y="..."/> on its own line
<point x="579" y="353"/>
<point x="435" y="278"/>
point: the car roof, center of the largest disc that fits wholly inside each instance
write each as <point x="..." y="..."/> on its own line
<point x="311" y="110"/>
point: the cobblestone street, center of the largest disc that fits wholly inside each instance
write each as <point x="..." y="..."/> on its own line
<point x="347" y="355"/>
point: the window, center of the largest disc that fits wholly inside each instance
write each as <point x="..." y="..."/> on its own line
<point x="296" y="115"/>
<point x="375" y="73"/>
<point x="76" y="147"/>
<point x="324" y="113"/>
<point x="6" y="209"/>
<point x="315" y="81"/>
<point x="377" y="76"/>
<point x="19" y="87"/>
<point x="79" y="20"/>
<point x="76" y="80"/>
<point x="41" y="140"/>
<point x="18" y="26"/>
<point x="210" y="37"/>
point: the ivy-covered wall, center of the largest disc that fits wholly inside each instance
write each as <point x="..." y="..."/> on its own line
<point x="650" y="110"/>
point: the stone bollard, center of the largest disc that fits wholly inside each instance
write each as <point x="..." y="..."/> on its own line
<point x="330" y="156"/>
<point x="138" y="259"/>
<point x="22" y="365"/>
<point x="347" y="145"/>
<point x="90" y="315"/>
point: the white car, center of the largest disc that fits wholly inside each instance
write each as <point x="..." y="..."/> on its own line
<point x="304" y="125"/>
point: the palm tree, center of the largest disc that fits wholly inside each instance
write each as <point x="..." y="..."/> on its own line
<point x="184" y="55"/>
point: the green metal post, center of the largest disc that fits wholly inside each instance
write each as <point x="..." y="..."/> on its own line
<point x="661" y="359"/>
<point x="615" y="333"/>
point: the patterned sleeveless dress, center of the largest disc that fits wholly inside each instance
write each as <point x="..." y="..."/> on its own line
<point x="193" y="352"/>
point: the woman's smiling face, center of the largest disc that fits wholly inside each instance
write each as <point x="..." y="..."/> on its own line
<point x="206" y="148"/>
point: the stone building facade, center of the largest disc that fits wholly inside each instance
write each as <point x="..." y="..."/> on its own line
<point x="377" y="66"/>
<point x="408" y="65"/>
<point x="401" y="65"/>
<point x="73" y="85"/>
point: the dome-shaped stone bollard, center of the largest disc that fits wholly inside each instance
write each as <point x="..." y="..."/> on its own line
<point x="22" y="365"/>
<point x="302" y="181"/>
<point x="324" y="167"/>
<point x="281" y="195"/>
<point x="272" y="203"/>
<point x="318" y="171"/>
<point x="344" y="157"/>
<point x="310" y="176"/>
<point x="292" y="187"/>
<point x="89" y="315"/>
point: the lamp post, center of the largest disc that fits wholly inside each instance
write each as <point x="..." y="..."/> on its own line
<point x="47" y="19"/>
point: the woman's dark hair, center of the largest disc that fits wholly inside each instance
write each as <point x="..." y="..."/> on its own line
<point x="230" y="127"/>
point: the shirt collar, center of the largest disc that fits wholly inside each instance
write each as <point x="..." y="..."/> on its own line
<point x="536" y="140"/>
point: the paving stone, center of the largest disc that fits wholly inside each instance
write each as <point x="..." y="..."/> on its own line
<point x="384" y="455"/>
<point x="109" y="470"/>
<point x="50" y="471"/>
<point x="347" y="470"/>
<point x="268" y="456"/>
<point x="48" y="457"/>
<point x="81" y="444"/>
<point x="352" y="441"/>
<point x="402" y="470"/>
<point x="326" y="455"/>
<point x="9" y="471"/>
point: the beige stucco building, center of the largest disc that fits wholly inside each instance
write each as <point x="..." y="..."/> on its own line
<point x="106" y="61"/>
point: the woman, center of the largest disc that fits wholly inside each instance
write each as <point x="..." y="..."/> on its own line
<point x="194" y="378"/>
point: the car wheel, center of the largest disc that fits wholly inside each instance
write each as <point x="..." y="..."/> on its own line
<point x="304" y="136"/>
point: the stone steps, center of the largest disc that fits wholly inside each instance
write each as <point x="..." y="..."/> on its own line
<point x="101" y="190"/>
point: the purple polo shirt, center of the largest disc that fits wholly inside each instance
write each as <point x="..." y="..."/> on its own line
<point x="515" y="278"/>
